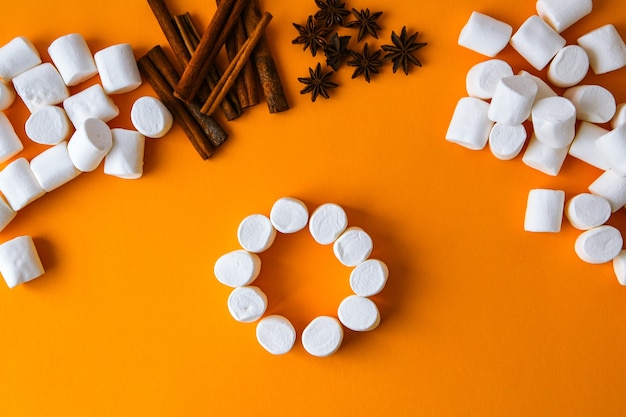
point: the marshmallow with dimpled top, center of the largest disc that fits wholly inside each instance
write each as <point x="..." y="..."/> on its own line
<point x="247" y="304"/>
<point x="470" y="125"/>
<point x="537" y="42"/>
<point x="118" y="69"/>
<point x="544" y="157"/>
<point x="7" y="95"/>
<point x="72" y="57"/>
<point x="484" y="34"/>
<point x="512" y="100"/>
<point x="17" y="56"/>
<point x="89" y="144"/>
<point x="125" y="159"/>
<point x="620" y="115"/>
<point x="53" y="167"/>
<point x="48" y="125"/>
<point x="612" y="187"/>
<point x="599" y="245"/>
<point x="482" y="78"/>
<point x="586" y="211"/>
<point x="612" y="146"/>
<point x="19" y="185"/>
<point x="507" y="141"/>
<point x="92" y="102"/>
<point x="41" y="86"/>
<point x="150" y="117"/>
<point x="584" y="145"/>
<point x="544" y="211"/>
<point x="606" y="49"/>
<point x="593" y="103"/>
<point x="10" y="143"/>
<point x="19" y="261"/>
<point x="561" y="14"/>
<point x="554" y="121"/>
<point x="569" y="66"/>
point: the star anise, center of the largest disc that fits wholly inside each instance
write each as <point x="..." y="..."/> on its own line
<point x="332" y="12"/>
<point x="366" y="63"/>
<point x="318" y="83"/>
<point x="311" y="36"/>
<point x="335" y="50"/>
<point x="400" y="51"/>
<point x="365" y="22"/>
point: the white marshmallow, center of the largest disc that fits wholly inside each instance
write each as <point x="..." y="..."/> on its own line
<point x="586" y="211"/>
<point x="593" y="103"/>
<point x="619" y="267"/>
<point x="48" y="125"/>
<point x="599" y="245"/>
<point x="358" y="313"/>
<point x="53" y="167"/>
<point x="72" y="57"/>
<point x="353" y="246"/>
<point x="512" y="100"/>
<point x="544" y="211"/>
<point x="470" y="125"/>
<point x="569" y="66"/>
<point x="322" y="336"/>
<point x="561" y="14"/>
<point x="584" y="145"/>
<point x="537" y="42"/>
<point x="118" y="69"/>
<point x="19" y="185"/>
<point x="92" y="102"/>
<point x="19" y="261"/>
<point x="506" y="141"/>
<point x="482" y="78"/>
<point x="543" y="88"/>
<point x="612" y="187"/>
<point x="150" y="117"/>
<point x="289" y="215"/>
<point x="612" y="146"/>
<point x="276" y="334"/>
<point x="7" y="95"/>
<point x="10" y="143"/>
<point x="237" y="268"/>
<point x="89" y="144"/>
<point x="327" y="223"/>
<point x="606" y="49"/>
<point x="369" y="278"/>
<point x="40" y="86"/>
<point x="543" y="157"/>
<point x="484" y="34"/>
<point x="554" y="121"/>
<point x="620" y="115"/>
<point x="17" y="56"/>
<point x="247" y="304"/>
<point x="125" y="159"/>
<point x="6" y="214"/>
<point x="256" y="233"/>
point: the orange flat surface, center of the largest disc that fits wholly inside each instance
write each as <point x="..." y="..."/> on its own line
<point x="479" y="318"/>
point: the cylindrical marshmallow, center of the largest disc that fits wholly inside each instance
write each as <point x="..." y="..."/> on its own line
<point x="17" y="56"/>
<point x="358" y="313"/>
<point x="92" y="102"/>
<point x="19" y="185"/>
<point x="544" y="211"/>
<point x="150" y="117"/>
<point x="537" y="42"/>
<point x="512" y="100"/>
<point x="569" y="66"/>
<point x="89" y="144"/>
<point x="543" y="157"/>
<point x="612" y="187"/>
<point x="586" y="211"/>
<point x="584" y="145"/>
<point x="6" y="214"/>
<point x="125" y="159"/>
<point x="593" y="103"/>
<point x="470" y="126"/>
<point x="10" y="143"/>
<point x="605" y="48"/>
<point x="599" y="245"/>
<point x="256" y="233"/>
<point x="353" y="246"/>
<point x="72" y="57"/>
<point x="484" y="34"/>
<point x="322" y="336"/>
<point x="554" y="121"/>
<point x="612" y="146"/>
<point x="247" y="304"/>
<point x="118" y="69"/>
<point x="561" y="14"/>
<point x="482" y="78"/>
<point x="19" y="261"/>
<point x="543" y="88"/>
<point x="53" y="167"/>
<point x="620" y="116"/>
<point x="506" y="141"/>
<point x="48" y="125"/>
<point x="7" y="95"/>
<point x="327" y="223"/>
<point x="289" y="215"/>
<point x="41" y="86"/>
<point x="237" y="268"/>
<point x="619" y="267"/>
<point x="369" y="278"/>
<point x="276" y="334"/>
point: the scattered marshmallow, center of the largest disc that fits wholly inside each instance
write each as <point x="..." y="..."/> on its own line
<point x="19" y="185"/>
<point x="72" y="57"/>
<point x="276" y="334"/>
<point x="7" y="95"/>
<point x="237" y="268"/>
<point x="586" y="211"/>
<point x="606" y="49"/>
<point x="118" y="69"/>
<point x="537" y="42"/>
<point x="150" y="117"/>
<point x="322" y="336"/>
<point x="543" y="88"/>
<point x="593" y="103"/>
<point x="561" y="14"/>
<point x="6" y="214"/>
<point x="506" y="141"/>
<point x="482" y="78"/>
<point x="358" y="313"/>
<point x="543" y="157"/>
<point x="327" y="223"/>
<point x="48" y="125"/>
<point x="599" y="245"/>
<point x="19" y="261"/>
<point x="53" y="167"/>
<point x="10" y="143"/>
<point x="569" y="66"/>
<point x="41" y="86"/>
<point x="554" y="121"/>
<point x="612" y="187"/>
<point x="512" y="100"/>
<point x="470" y="125"/>
<point x="125" y="159"/>
<point x="89" y="144"/>
<point x="369" y="278"/>
<point x="612" y="146"/>
<point x="289" y="215"/>
<point x="485" y="35"/>
<point x="620" y="116"/>
<point x="353" y="246"/>
<point x="256" y="233"/>
<point x="544" y="211"/>
<point x="17" y="56"/>
<point x="247" y="304"/>
<point x="619" y="267"/>
<point x="584" y="145"/>
<point x="92" y="102"/>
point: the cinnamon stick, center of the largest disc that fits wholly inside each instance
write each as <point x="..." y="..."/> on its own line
<point x="164" y="18"/>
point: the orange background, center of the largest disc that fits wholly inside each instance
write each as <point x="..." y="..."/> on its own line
<point x="479" y="318"/>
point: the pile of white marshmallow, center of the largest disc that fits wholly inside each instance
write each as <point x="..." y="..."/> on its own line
<point x="74" y="127"/>
<point x="328" y="225"/>
<point x="500" y="102"/>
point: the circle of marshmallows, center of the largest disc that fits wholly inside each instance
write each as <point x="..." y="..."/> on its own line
<point x="72" y="126"/>
<point x="499" y="103"/>
<point x="352" y="246"/>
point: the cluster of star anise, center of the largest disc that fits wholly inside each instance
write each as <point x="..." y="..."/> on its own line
<point x="320" y="32"/>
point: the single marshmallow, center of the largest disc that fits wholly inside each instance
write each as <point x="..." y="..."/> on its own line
<point x="7" y="95"/>
<point x="89" y="144"/>
<point x="554" y="121"/>
<point x="543" y="88"/>
<point x="612" y="146"/>
<point x="289" y="215"/>
<point x="484" y="34"/>
<point x="586" y="211"/>
<point x="19" y="261"/>
<point x="48" y="125"/>
<point x="482" y="78"/>
<point x="561" y="14"/>
<point x="276" y="334"/>
<point x="537" y="42"/>
<point x="118" y="69"/>
<point x="470" y="125"/>
<point x="125" y="159"/>
<point x="620" y="116"/>
<point x="569" y="66"/>
<point x="237" y="268"/>
<point x="584" y="145"/>
<point x="619" y="267"/>
<point x="322" y="336"/>
<point x="17" y="56"/>
<point x="256" y="233"/>
<point x="247" y="304"/>
<point x="19" y="185"/>
<point x="353" y="246"/>
<point x="506" y="141"/>
<point x="150" y="117"/>
<point x="543" y="157"/>
<point x="6" y="214"/>
<point x="599" y="245"/>
<point x="92" y="102"/>
<point x="72" y="57"/>
<point x="10" y="143"/>
<point x="612" y="187"/>
<point x="544" y="211"/>
<point x="41" y="86"/>
<point x="369" y="278"/>
<point x="512" y="100"/>
<point x="327" y="223"/>
<point x="606" y="49"/>
<point x="53" y="167"/>
<point x="593" y="103"/>
<point x="358" y="313"/>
